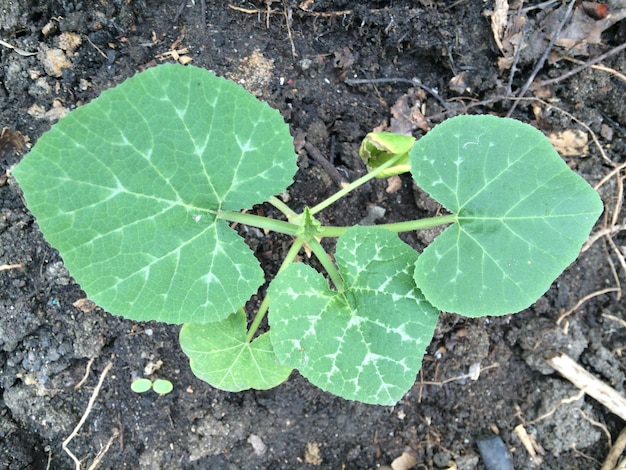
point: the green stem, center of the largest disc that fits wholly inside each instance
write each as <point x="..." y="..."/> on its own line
<point x="291" y="255"/>
<point x="330" y="268"/>
<point x="355" y="184"/>
<point x="397" y="227"/>
<point x="258" y="318"/>
<point x="281" y="206"/>
<point x="266" y="223"/>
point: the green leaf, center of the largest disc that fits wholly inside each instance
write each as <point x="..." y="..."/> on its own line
<point x="365" y="343"/>
<point x="380" y="147"/>
<point x="162" y="386"/>
<point x="522" y="214"/>
<point x="141" y="385"/>
<point x="127" y="188"/>
<point x="219" y="355"/>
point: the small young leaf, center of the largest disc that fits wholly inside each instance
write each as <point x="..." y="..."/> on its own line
<point x="522" y="214"/>
<point x="127" y="189"/>
<point x="162" y="386"/>
<point x="379" y="147"/>
<point x="141" y="385"/>
<point x="365" y="343"/>
<point x="219" y="355"/>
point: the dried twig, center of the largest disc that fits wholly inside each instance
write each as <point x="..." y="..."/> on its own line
<point x="544" y="56"/>
<point x="617" y="449"/>
<point x="585" y="299"/>
<point x="589" y="384"/>
<point x="86" y="376"/>
<point x="6" y="267"/>
<point x="92" y="400"/>
<point x="602" y="68"/>
<point x="561" y="402"/>
<point x="323" y="14"/>
<point x="473" y="374"/>
<point x="614" y="318"/>
<point x="580" y="68"/>
<point x="287" y="13"/>
<point x="96" y="48"/>
<point x="21" y="52"/>
<point x="529" y="444"/>
<point x="104" y="450"/>
<point x="323" y="161"/>
<point x="597" y="424"/>
<point x="414" y="82"/>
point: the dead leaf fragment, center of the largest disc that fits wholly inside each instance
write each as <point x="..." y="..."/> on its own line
<point x="85" y="305"/>
<point x="344" y="58"/>
<point x="406" y="113"/>
<point x="499" y="19"/>
<point x="570" y="142"/>
<point x="312" y="453"/>
<point x="404" y="462"/>
<point x="458" y="83"/>
<point x="11" y="143"/>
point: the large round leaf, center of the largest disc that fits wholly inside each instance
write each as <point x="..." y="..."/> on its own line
<point x="127" y="188"/>
<point x="522" y="214"/>
<point x="365" y="342"/>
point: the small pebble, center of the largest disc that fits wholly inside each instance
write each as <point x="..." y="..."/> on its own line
<point x="258" y="445"/>
<point x="494" y="453"/>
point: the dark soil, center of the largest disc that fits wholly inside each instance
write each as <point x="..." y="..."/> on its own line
<point x="47" y="344"/>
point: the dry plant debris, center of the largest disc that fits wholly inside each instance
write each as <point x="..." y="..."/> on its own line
<point x="589" y="384"/>
<point x="518" y="35"/>
<point x="92" y="400"/>
<point x="570" y="142"/>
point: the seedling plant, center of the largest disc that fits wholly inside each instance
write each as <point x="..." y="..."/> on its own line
<point x="138" y="190"/>
<point x="160" y="386"/>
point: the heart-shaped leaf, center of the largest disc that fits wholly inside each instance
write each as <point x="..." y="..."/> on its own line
<point x="522" y="214"/>
<point x="127" y="188"/>
<point x="365" y="343"/>
<point x="219" y="355"/>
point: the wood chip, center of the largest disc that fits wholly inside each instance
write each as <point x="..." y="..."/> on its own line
<point x="589" y="384"/>
<point x="617" y="449"/>
<point x="529" y="443"/>
<point x="404" y="462"/>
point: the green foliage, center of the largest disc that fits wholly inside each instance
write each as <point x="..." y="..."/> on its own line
<point x="379" y="147"/>
<point x="137" y="189"/>
<point x="160" y="386"/>
<point x="522" y="214"/>
<point x="366" y="340"/>
<point x="141" y="385"/>
<point x="220" y="355"/>
<point x="134" y="181"/>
